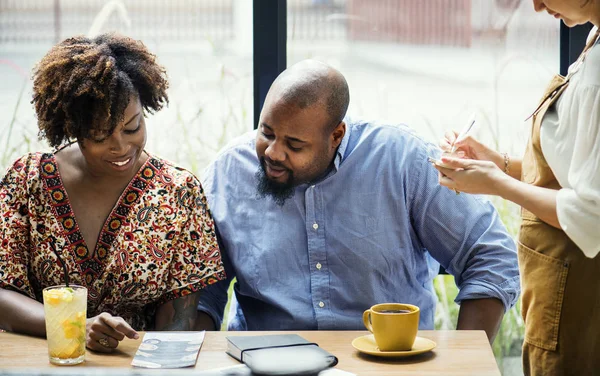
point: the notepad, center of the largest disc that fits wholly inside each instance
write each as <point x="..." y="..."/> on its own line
<point x="237" y="345"/>
<point x="280" y="354"/>
<point x="243" y="370"/>
<point x="168" y="350"/>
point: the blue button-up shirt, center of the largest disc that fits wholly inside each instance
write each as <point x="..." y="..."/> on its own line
<point x="375" y="230"/>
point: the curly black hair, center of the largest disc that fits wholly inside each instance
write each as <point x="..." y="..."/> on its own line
<point x="82" y="86"/>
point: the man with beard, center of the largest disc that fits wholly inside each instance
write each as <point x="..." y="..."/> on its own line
<point x="320" y="217"/>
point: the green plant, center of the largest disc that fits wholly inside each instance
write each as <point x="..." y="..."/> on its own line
<point x="200" y="139"/>
<point x="11" y="150"/>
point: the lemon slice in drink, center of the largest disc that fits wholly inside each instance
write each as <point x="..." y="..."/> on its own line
<point x="57" y="296"/>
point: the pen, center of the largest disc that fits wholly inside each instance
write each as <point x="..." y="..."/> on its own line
<point x="464" y="132"/>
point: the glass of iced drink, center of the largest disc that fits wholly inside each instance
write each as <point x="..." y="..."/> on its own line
<point x="65" y="310"/>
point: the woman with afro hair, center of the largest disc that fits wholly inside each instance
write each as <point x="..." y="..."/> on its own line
<point x="132" y="228"/>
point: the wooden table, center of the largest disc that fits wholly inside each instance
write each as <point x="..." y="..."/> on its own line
<point x="457" y="353"/>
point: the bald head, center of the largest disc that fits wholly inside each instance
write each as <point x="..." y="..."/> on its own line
<point x="312" y="82"/>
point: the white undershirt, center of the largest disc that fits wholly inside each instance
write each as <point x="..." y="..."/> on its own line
<point x="570" y="140"/>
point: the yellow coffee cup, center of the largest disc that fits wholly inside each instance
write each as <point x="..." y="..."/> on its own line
<point x="394" y="325"/>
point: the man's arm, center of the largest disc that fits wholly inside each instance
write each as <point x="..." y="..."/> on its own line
<point x="204" y="322"/>
<point x="481" y="314"/>
<point x="178" y="314"/>
<point x="214" y="298"/>
<point x="212" y="304"/>
<point x="465" y="234"/>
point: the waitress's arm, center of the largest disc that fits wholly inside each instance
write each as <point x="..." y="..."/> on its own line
<point x="514" y="164"/>
<point x="21" y="314"/>
<point x="514" y="167"/>
<point x="486" y="177"/>
<point x="540" y="201"/>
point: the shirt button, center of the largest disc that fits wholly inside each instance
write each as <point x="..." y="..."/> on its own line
<point x="319" y="265"/>
<point x="321" y="304"/>
<point x="315" y="226"/>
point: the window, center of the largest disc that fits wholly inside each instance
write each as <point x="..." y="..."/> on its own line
<point x="205" y="45"/>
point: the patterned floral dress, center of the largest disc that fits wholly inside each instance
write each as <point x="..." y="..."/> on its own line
<point x="157" y="244"/>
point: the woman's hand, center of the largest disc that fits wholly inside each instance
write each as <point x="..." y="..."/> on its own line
<point x="471" y="176"/>
<point x="104" y="332"/>
<point x="470" y="148"/>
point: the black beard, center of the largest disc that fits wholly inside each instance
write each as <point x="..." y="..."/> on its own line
<point x="278" y="192"/>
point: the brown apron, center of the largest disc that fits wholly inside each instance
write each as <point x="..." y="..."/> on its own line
<point x="560" y="297"/>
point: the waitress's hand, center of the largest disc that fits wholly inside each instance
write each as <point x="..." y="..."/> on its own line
<point x="471" y="176"/>
<point x="470" y="148"/>
<point x="104" y="332"/>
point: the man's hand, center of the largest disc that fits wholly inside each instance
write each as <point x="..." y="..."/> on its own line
<point x="104" y="332"/>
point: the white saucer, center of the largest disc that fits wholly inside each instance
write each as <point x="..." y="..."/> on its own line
<point x="366" y="344"/>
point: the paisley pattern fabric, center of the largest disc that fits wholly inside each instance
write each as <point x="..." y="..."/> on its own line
<point x="157" y="244"/>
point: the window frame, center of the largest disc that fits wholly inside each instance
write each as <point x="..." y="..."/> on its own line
<point x="269" y="42"/>
<point x="572" y="42"/>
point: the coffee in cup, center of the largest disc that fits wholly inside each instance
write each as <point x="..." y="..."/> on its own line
<point x="395" y="311"/>
<point x="394" y="325"/>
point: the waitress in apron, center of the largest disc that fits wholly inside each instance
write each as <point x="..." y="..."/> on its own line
<point x="557" y="184"/>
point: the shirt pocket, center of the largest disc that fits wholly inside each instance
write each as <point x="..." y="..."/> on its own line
<point x="543" y="281"/>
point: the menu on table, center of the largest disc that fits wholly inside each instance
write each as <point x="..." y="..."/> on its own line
<point x="168" y="350"/>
